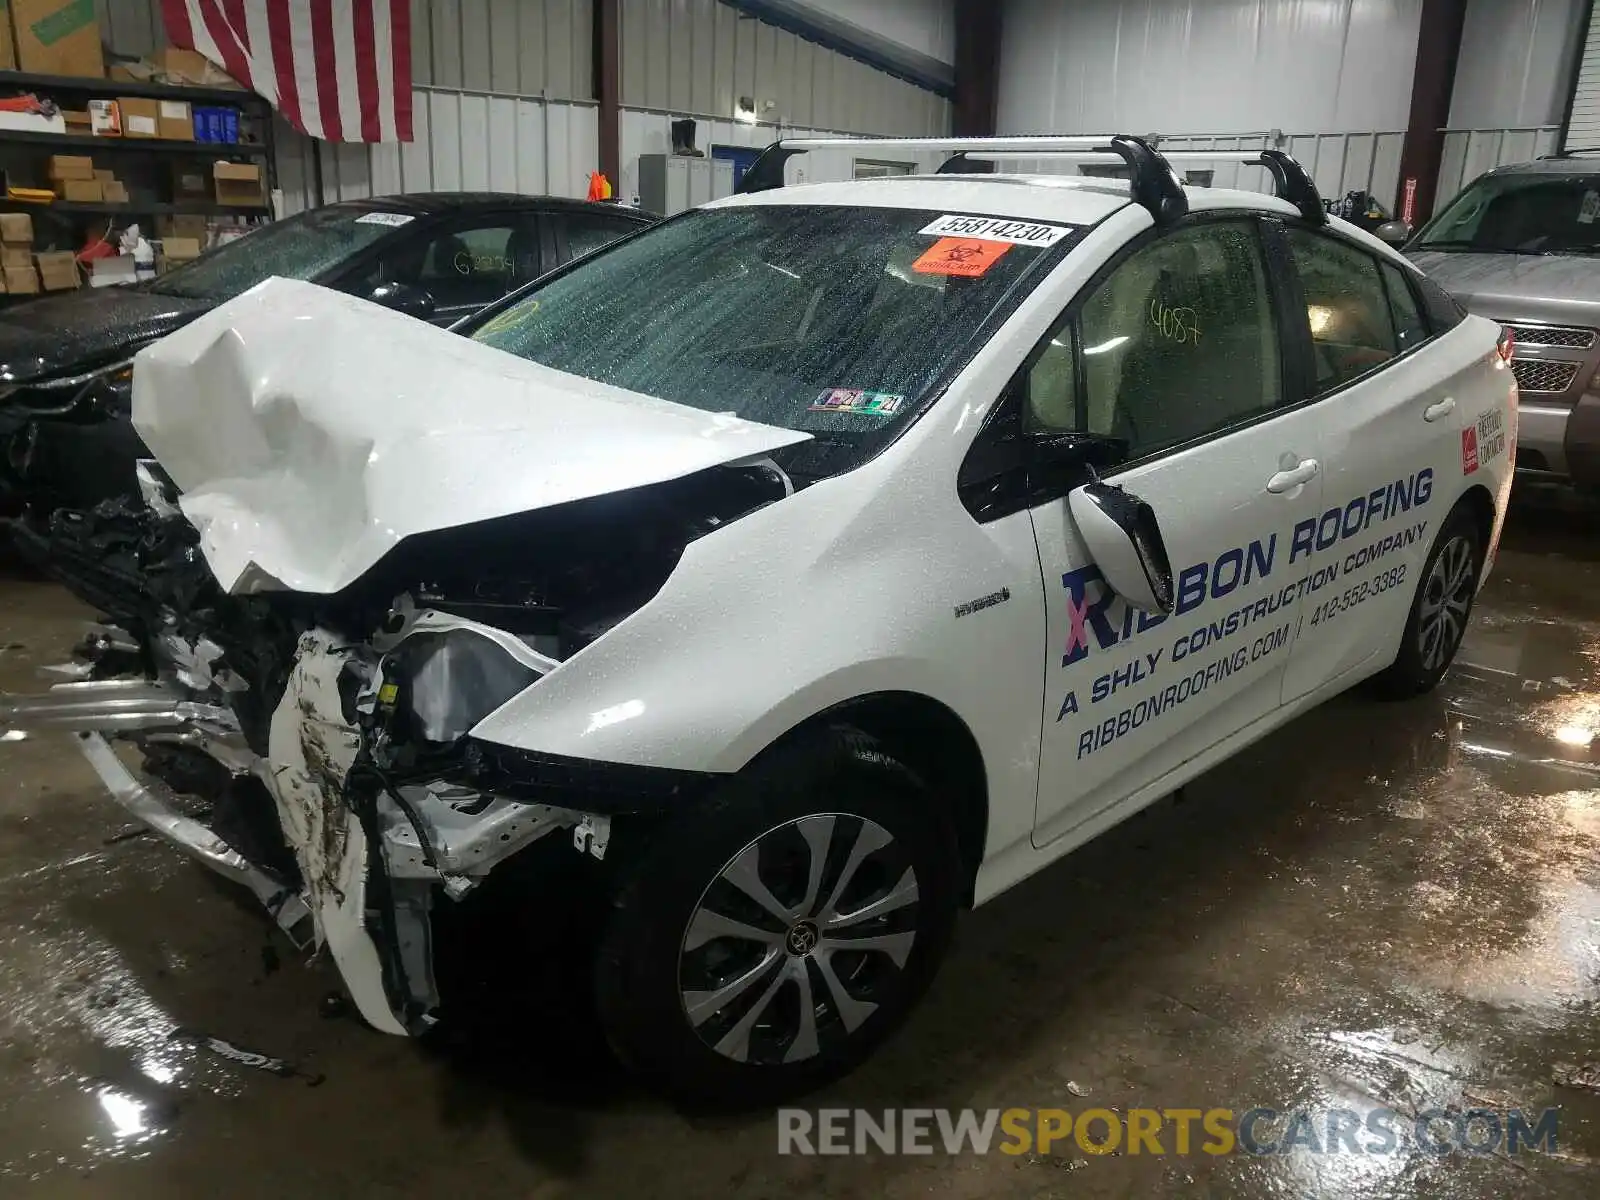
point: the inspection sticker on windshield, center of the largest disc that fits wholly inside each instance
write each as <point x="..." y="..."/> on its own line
<point x="965" y="258"/>
<point x="854" y="400"/>
<point x="997" y="229"/>
<point x="1590" y="208"/>
<point x="384" y="218"/>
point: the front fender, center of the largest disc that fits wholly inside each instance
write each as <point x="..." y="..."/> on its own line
<point x="825" y="596"/>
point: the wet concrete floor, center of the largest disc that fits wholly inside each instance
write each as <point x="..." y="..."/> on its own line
<point x="1380" y="906"/>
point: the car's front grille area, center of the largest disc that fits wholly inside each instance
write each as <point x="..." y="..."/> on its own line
<point x="1552" y="335"/>
<point x="1540" y="375"/>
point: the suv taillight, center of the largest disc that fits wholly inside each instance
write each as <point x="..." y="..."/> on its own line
<point x="1507" y="343"/>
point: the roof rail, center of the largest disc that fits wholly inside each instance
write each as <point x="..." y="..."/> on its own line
<point x="1152" y="179"/>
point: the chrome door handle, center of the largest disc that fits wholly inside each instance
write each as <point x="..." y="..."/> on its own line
<point x="1287" y="481"/>
<point x="1442" y="409"/>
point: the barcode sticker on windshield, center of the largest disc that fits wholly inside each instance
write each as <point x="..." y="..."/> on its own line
<point x="997" y="229"/>
<point x="1590" y="209"/>
<point x="384" y="218"/>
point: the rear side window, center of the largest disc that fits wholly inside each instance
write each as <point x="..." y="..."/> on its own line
<point x="1352" y="328"/>
<point x="1409" y="325"/>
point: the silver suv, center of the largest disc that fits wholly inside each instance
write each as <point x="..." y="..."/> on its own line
<point x="1521" y="245"/>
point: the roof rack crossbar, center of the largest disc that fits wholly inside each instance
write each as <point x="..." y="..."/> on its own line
<point x="1153" y="182"/>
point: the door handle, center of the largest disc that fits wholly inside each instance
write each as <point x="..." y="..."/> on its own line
<point x="1287" y="481"/>
<point x="1442" y="409"/>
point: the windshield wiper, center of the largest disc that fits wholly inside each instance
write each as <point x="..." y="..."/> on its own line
<point x="1463" y="244"/>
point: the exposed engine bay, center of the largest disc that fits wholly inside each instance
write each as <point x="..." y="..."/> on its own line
<point x="318" y="747"/>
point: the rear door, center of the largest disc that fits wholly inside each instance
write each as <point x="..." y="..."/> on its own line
<point x="1391" y="413"/>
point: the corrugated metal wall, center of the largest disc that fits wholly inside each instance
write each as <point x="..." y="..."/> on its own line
<point x="697" y="57"/>
<point x="1583" y="131"/>
<point x="925" y="26"/>
<point x="1231" y="65"/>
<point x="1516" y="56"/>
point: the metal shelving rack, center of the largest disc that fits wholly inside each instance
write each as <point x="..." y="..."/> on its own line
<point x="84" y="87"/>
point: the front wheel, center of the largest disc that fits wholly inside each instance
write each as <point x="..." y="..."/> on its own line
<point x="768" y="942"/>
<point x="1439" y="611"/>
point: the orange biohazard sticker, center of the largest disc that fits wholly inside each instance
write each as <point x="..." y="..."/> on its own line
<point x="965" y="258"/>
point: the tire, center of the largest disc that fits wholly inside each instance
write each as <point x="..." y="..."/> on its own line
<point x="824" y="830"/>
<point x="1439" y="611"/>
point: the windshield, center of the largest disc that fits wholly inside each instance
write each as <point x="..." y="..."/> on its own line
<point x="832" y="320"/>
<point x="298" y="247"/>
<point x="1520" y="213"/>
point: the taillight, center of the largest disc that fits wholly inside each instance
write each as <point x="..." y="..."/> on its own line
<point x="1507" y="344"/>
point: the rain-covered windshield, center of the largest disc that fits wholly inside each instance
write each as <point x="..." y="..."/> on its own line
<point x="1520" y="213"/>
<point x="298" y="247"/>
<point x="831" y="320"/>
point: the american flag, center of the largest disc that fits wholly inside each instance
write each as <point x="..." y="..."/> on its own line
<point x="336" y="69"/>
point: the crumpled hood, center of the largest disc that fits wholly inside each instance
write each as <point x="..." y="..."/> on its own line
<point x="1487" y="283"/>
<point x="310" y="432"/>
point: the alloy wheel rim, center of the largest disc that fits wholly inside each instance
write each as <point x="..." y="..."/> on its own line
<point x="1446" y="601"/>
<point x="799" y="939"/>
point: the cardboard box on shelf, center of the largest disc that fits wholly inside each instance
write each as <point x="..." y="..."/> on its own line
<point x="58" y="270"/>
<point x="113" y="269"/>
<point x="189" y="182"/>
<point x="16" y="228"/>
<point x="80" y="191"/>
<point x="8" y="48"/>
<point x="141" y="116"/>
<point x="22" y="280"/>
<point x="192" y="67"/>
<point x="187" y="225"/>
<point x="176" y="122"/>
<point x="69" y="166"/>
<point x="105" y="177"/>
<point x="123" y="75"/>
<point x="33" y="122"/>
<point x="57" y="37"/>
<point x="180" y="247"/>
<point x="105" y="118"/>
<point x="16" y="256"/>
<point x="77" y="121"/>
<point x="114" y="191"/>
<point x="238" y="183"/>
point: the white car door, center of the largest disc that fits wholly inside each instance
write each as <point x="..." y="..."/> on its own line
<point x="1392" y="450"/>
<point x="1176" y="351"/>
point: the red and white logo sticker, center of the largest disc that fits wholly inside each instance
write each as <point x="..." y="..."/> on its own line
<point x="1469" y="451"/>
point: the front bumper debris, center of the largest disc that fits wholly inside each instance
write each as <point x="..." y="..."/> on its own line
<point x="145" y="803"/>
<point x="363" y="859"/>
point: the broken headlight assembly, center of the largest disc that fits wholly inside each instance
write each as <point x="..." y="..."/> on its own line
<point x="440" y="680"/>
<point x="105" y="389"/>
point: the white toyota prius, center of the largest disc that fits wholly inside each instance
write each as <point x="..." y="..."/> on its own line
<point x="810" y="566"/>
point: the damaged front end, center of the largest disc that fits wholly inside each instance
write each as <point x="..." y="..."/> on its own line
<point x="318" y="747"/>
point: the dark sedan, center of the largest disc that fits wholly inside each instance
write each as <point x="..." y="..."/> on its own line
<point x="65" y="361"/>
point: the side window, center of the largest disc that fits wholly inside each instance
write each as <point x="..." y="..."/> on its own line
<point x="1410" y="328"/>
<point x="1179" y="340"/>
<point x="1352" y="330"/>
<point x="587" y="232"/>
<point x="460" y="267"/>
<point x="1052" y="401"/>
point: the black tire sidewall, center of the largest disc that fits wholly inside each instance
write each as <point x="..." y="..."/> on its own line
<point x="1407" y="676"/>
<point x="636" y="971"/>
